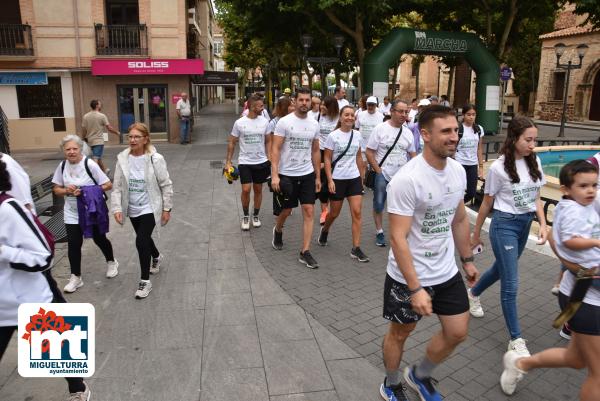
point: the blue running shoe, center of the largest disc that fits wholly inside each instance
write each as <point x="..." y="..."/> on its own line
<point x="423" y="387"/>
<point x="380" y="239"/>
<point x="392" y="393"/>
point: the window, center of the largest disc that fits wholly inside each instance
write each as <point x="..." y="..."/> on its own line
<point x="415" y="69"/>
<point x="218" y="48"/>
<point x="559" y="85"/>
<point x="40" y="100"/>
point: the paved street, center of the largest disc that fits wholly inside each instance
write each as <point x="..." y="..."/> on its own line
<point x="229" y="318"/>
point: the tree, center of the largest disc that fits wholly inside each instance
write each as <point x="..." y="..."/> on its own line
<point x="589" y="7"/>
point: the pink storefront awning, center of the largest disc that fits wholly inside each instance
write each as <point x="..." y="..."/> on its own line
<point x="148" y="67"/>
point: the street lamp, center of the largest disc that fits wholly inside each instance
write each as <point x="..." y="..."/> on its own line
<point x="338" y="43"/>
<point x="559" y="49"/>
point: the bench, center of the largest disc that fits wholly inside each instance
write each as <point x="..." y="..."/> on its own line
<point x="51" y="209"/>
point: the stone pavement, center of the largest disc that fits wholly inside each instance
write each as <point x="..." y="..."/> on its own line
<point x="231" y="318"/>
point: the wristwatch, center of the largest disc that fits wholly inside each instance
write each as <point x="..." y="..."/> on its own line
<point x="467" y="259"/>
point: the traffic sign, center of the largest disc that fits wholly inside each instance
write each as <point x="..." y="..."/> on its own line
<point x="505" y="73"/>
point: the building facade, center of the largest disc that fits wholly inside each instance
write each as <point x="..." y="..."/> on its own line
<point x="583" y="91"/>
<point x="135" y="56"/>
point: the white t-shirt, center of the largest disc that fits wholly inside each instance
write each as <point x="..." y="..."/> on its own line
<point x="184" y="107"/>
<point x="466" y="151"/>
<point x="342" y="102"/>
<point x="326" y="125"/>
<point x="314" y="114"/>
<point x="574" y="220"/>
<point x="365" y="122"/>
<point x="411" y="115"/>
<point x="271" y="125"/>
<point x="19" y="179"/>
<point x="139" y="201"/>
<point x="251" y="133"/>
<point x="383" y="109"/>
<point x="75" y="174"/>
<point x="382" y="138"/>
<point x="264" y="113"/>
<point x="431" y="197"/>
<point x="296" y="152"/>
<point x="513" y="198"/>
<point x="346" y="167"/>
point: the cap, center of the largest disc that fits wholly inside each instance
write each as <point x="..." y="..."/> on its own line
<point x="432" y="98"/>
<point x="287" y="90"/>
<point x="372" y="100"/>
<point x="424" y="102"/>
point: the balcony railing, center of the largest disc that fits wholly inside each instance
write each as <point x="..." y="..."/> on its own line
<point x="15" y="40"/>
<point x="121" y="40"/>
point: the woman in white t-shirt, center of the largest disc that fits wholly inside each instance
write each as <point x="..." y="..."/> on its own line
<point x="469" y="151"/>
<point x="344" y="179"/>
<point x="71" y="174"/>
<point x="328" y="120"/>
<point x="512" y="187"/>
<point x="144" y="192"/>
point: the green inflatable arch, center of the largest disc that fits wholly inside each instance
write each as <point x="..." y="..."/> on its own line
<point x="402" y="40"/>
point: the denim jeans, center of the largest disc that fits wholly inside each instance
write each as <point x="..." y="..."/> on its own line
<point x="379" y="193"/>
<point x="184" y="129"/>
<point x="508" y="237"/>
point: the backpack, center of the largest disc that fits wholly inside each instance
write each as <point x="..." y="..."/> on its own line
<point x="87" y="170"/>
<point x="461" y="130"/>
<point x="41" y="228"/>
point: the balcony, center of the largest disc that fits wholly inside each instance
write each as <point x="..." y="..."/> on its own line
<point x="121" y="40"/>
<point x="16" y="41"/>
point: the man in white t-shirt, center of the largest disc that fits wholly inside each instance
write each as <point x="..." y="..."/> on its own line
<point x="295" y="159"/>
<point x="427" y="220"/>
<point x="368" y="119"/>
<point x="382" y="139"/>
<point x="184" y="112"/>
<point x="254" y="166"/>
<point x="385" y="106"/>
<point x="340" y="95"/>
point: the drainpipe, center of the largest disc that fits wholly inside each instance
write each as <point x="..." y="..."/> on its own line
<point x="78" y="56"/>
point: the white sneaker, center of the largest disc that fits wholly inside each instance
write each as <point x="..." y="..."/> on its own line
<point x="144" y="289"/>
<point x="519" y="346"/>
<point x="474" y="305"/>
<point x="113" y="269"/>
<point x="245" y="223"/>
<point x="82" y="395"/>
<point x="511" y="374"/>
<point x="256" y="222"/>
<point x="73" y="284"/>
<point x="155" y="267"/>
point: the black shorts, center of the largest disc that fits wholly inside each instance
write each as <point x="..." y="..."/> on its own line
<point x="346" y="188"/>
<point x="297" y="189"/>
<point x="255" y="173"/>
<point x="449" y="298"/>
<point x="587" y="318"/>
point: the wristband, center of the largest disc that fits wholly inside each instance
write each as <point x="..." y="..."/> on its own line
<point x="167" y="210"/>
<point x="412" y="292"/>
<point x="467" y="260"/>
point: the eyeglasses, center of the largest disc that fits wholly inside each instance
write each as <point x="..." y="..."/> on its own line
<point x="401" y="111"/>
<point x="135" y="137"/>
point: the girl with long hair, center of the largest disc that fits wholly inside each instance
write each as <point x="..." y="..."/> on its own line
<point x="469" y="151"/>
<point x="328" y="120"/>
<point x="512" y="195"/>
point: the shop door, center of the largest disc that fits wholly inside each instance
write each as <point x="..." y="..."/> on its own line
<point x="147" y="105"/>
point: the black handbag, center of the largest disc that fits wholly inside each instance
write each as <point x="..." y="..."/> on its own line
<point x="370" y="174"/>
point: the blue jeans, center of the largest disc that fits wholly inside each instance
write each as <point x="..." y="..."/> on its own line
<point x="379" y="193"/>
<point x="508" y="237"/>
<point x="184" y="129"/>
<point x="97" y="151"/>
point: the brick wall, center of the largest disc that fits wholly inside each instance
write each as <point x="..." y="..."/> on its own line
<point x="552" y="111"/>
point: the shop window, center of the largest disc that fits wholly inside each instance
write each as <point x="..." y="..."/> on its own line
<point x="40" y="100"/>
<point x="558" y="85"/>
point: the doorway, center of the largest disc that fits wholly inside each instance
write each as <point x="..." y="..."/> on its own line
<point x="145" y="104"/>
<point x="595" y="103"/>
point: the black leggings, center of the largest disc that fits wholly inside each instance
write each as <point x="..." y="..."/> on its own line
<point x="6" y="332"/>
<point x="75" y="239"/>
<point x="471" y="182"/>
<point x="143" y="226"/>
